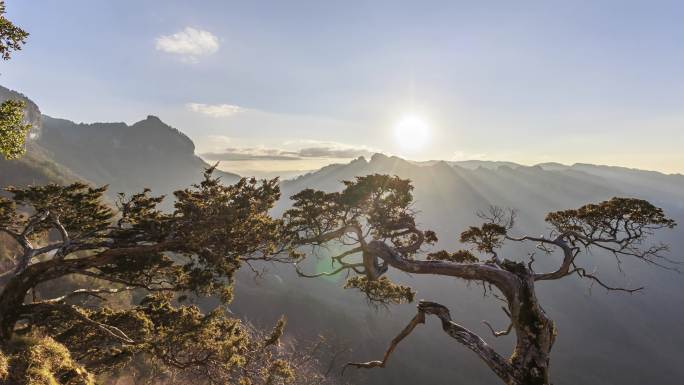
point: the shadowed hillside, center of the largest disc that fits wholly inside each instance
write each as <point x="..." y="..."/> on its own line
<point x="148" y="153"/>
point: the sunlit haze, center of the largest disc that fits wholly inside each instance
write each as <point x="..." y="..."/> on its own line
<point x="290" y="86"/>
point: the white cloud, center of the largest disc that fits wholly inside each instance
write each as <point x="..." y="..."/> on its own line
<point x="214" y="110"/>
<point x="189" y="43"/>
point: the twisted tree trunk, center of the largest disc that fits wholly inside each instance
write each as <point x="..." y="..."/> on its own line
<point x="11" y="301"/>
<point x="535" y="333"/>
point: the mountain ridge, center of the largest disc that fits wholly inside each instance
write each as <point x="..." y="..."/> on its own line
<point x="146" y="154"/>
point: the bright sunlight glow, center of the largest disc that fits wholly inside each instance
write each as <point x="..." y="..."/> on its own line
<point x="412" y="133"/>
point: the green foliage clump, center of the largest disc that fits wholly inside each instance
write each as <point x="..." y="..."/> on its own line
<point x="381" y="290"/>
<point x="276" y="333"/>
<point x="8" y="212"/>
<point x="372" y="208"/>
<point x="379" y="203"/>
<point x="485" y="238"/>
<point x="382" y="199"/>
<point x="13" y="130"/>
<point x="37" y="360"/>
<point x="4" y="366"/>
<point x="610" y="218"/>
<point x="78" y="207"/>
<point x="460" y="256"/>
<point x="280" y="370"/>
<point x="11" y="36"/>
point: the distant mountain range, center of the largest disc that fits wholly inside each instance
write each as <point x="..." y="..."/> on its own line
<point x="603" y="338"/>
<point x="506" y="183"/>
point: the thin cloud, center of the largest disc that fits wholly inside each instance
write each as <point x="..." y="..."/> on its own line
<point x="337" y="151"/>
<point x="327" y="149"/>
<point x="214" y="110"/>
<point x="242" y="154"/>
<point x="331" y="152"/>
<point x="189" y="44"/>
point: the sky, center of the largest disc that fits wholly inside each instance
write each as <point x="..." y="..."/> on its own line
<point x="285" y="86"/>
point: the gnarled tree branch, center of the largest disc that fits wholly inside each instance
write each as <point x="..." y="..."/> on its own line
<point x="472" y="341"/>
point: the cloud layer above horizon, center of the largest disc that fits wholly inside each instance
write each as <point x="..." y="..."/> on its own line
<point x="323" y="151"/>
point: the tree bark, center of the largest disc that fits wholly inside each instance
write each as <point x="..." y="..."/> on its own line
<point x="535" y="333"/>
<point x="11" y="301"/>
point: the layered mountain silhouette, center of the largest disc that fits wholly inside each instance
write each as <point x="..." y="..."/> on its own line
<point x="148" y="153"/>
<point x="615" y="338"/>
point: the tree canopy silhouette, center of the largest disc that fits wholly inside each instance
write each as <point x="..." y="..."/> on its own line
<point x="372" y="222"/>
<point x="131" y="270"/>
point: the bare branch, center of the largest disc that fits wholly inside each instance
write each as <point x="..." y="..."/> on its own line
<point x="499" y="333"/>
<point x="469" y="339"/>
<point x="103" y="277"/>
<point x="499" y="216"/>
<point x="419" y="318"/>
<point x="349" y="252"/>
<point x="90" y="292"/>
<point x="345" y="266"/>
<point x="583" y="274"/>
<point x="33" y="221"/>
<point x="110" y="330"/>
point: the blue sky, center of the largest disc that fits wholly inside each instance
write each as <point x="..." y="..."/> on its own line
<point x="293" y="85"/>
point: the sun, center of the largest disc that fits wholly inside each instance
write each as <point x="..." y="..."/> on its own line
<point x="412" y="133"/>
